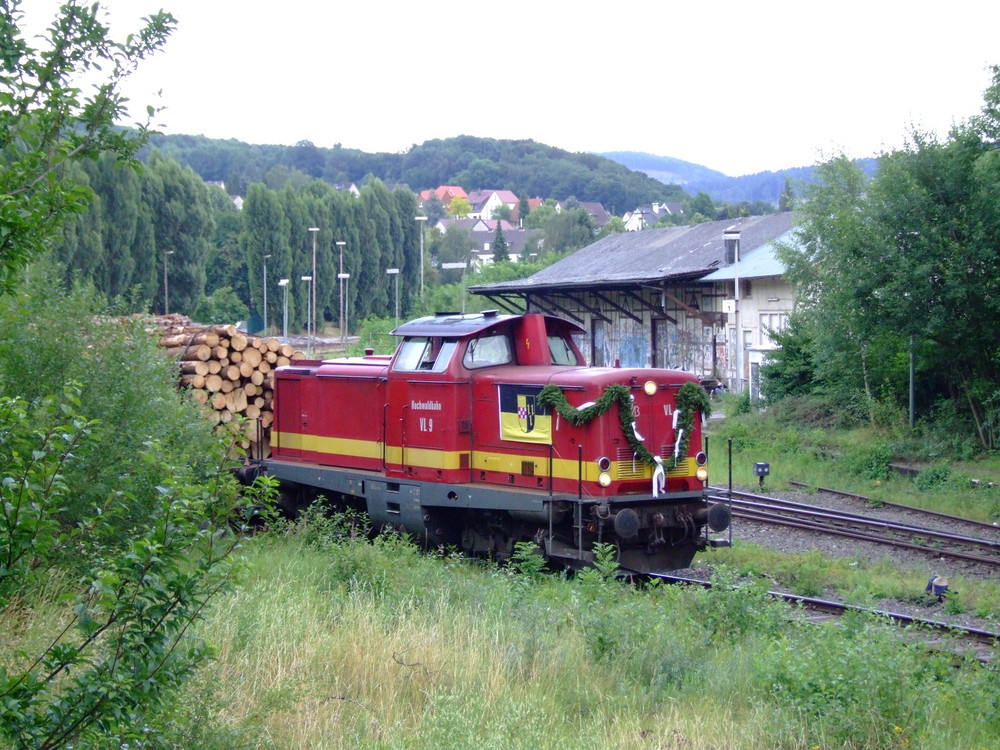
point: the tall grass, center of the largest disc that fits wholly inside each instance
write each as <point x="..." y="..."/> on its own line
<point x="341" y="643"/>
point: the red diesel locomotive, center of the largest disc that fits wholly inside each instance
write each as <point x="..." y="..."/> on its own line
<point x="484" y="430"/>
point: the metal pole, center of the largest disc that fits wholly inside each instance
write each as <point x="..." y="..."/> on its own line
<point x="166" y="292"/>
<point x="340" y="277"/>
<point x="395" y="272"/>
<point x="420" y="223"/>
<point x="309" y="279"/>
<point x="739" y="328"/>
<point x="283" y="283"/>
<point x="265" y="294"/>
<point x="312" y="292"/>
<point x="912" y="385"/>
<point x="733" y="236"/>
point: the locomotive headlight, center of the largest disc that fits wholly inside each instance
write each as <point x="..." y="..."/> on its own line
<point x="604" y="479"/>
<point x="702" y="473"/>
<point x="649" y="387"/>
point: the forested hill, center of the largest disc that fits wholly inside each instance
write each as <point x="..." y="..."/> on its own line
<point x="523" y="167"/>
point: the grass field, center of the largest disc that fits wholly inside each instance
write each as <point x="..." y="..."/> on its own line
<point x="333" y="642"/>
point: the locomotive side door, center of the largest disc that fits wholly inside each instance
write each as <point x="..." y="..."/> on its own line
<point x="427" y="433"/>
<point x="292" y="424"/>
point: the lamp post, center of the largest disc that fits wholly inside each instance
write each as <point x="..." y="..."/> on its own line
<point x="395" y="272"/>
<point x="420" y="223"/>
<point x="341" y="277"/>
<point x="283" y="283"/>
<point x="265" y="294"/>
<point x="344" y="309"/>
<point x="166" y="294"/>
<point x="731" y="239"/>
<point x="312" y="290"/>
<point x="449" y="266"/>
<point x="308" y="280"/>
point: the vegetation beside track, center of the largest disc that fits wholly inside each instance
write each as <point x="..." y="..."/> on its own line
<point x="332" y="641"/>
<point x="802" y="442"/>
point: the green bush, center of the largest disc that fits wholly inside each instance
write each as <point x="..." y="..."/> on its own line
<point x="744" y="436"/>
<point x="736" y="405"/>
<point x="50" y="339"/>
<point x="869" y="461"/>
<point x="221" y="306"/>
<point x="944" y="432"/>
<point x="123" y="647"/>
<point x="804" y="411"/>
<point x="933" y="477"/>
<point x="111" y="479"/>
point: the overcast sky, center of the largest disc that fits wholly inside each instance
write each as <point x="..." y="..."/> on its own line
<point x="736" y="85"/>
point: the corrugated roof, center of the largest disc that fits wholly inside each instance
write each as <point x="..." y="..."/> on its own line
<point x="652" y="255"/>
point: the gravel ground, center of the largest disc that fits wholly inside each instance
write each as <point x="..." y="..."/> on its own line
<point x="927" y="565"/>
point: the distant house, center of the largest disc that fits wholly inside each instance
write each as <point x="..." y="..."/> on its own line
<point x="645" y="217"/>
<point x="485" y="202"/>
<point x="473" y="225"/>
<point x="517" y="241"/>
<point x="484" y="232"/>
<point x="236" y="199"/>
<point x="444" y="193"/>
<point x="666" y="297"/>
<point x="349" y="187"/>
<point x="596" y="211"/>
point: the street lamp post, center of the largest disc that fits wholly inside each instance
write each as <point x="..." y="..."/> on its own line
<point x="345" y="309"/>
<point x="265" y="294"/>
<point x="166" y="293"/>
<point x="731" y="239"/>
<point x="308" y="280"/>
<point x="312" y="290"/>
<point x="449" y="266"/>
<point x="341" y="277"/>
<point x="283" y="283"/>
<point x="395" y="272"/>
<point x="421" y="220"/>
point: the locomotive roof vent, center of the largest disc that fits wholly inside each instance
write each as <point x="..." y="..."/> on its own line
<point x="490" y="313"/>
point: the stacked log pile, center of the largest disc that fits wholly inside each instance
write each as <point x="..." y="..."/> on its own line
<point x="229" y="372"/>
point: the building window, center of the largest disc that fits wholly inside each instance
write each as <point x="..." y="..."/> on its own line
<point x="771" y="322"/>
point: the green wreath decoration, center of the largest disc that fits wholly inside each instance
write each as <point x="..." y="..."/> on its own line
<point x="552" y="395"/>
<point x="689" y="398"/>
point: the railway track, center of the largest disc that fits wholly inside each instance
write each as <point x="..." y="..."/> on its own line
<point x="910" y="509"/>
<point x="935" y="542"/>
<point x="983" y="643"/>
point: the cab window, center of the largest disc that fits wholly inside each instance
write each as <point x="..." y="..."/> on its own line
<point x="487" y="351"/>
<point x="424" y="354"/>
<point x="561" y="351"/>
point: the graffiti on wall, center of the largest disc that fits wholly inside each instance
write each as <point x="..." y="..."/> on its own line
<point x="688" y="346"/>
